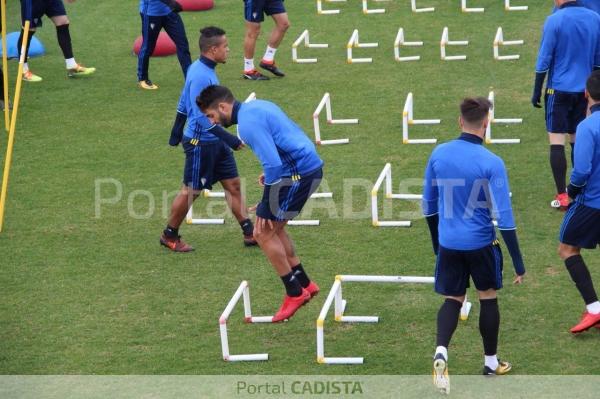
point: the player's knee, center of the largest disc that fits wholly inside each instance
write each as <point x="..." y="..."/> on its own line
<point x="283" y="25"/>
<point x="253" y="31"/>
<point x="60" y="20"/>
<point x="566" y="251"/>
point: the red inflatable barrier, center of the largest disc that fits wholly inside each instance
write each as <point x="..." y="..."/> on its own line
<point x="196" y="5"/>
<point x="164" y="45"/>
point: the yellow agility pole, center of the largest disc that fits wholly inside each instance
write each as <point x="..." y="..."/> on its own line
<point x="13" y="125"/>
<point x="5" y="64"/>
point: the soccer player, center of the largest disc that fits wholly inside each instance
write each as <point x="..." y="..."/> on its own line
<point x="292" y="171"/>
<point x="581" y="225"/>
<point x="156" y="15"/>
<point x="254" y="12"/>
<point x="55" y="10"/>
<point x="208" y="157"/>
<point x="569" y="51"/>
<point x="466" y="187"/>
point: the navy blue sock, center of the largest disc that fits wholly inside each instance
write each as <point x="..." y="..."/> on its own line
<point x="171" y="232"/>
<point x="301" y="275"/>
<point x="292" y="285"/>
<point x="247" y="227"/>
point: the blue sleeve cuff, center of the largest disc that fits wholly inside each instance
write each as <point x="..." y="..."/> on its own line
<point x="512" y="243"/>
<point x="273" y="174"/>
<point x="432" y="223"/>
<point x="177" y="130"/>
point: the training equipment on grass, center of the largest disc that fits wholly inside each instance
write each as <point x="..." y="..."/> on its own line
<point x="242" y="291"/>
<point x="311" y="222"/>
<point x="407" y="120"/>
<point x="499" y="41"/>
<point x="464" y="8"/>
<point x="164" y="45"/>
<point x="413" y="4"/>
<point x="400" y="42"/>
<point x="251" y="96"/>
<point x="196" y="5"/>
<point x="386" y="174"/>
<point x="366" y="10"/>
<point x="326" y="102"/>
<point x="190" y="219"/>
<point x="493" y="119"/>
<point x="306" y="38"/>
<point x="335" y="298"/>
<point x="320" y="10"/>
<point x="5" y="66"/>
<point x="355" y="43"/>
<point x="508" y="7"/>
<point x="446" y="42"/>
<point x="36" y="48"/>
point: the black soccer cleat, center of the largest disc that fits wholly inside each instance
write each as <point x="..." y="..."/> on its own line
<point x="254" y="75"/>
<point x="271" y="67"/>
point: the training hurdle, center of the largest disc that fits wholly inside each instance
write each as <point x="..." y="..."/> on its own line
<point x="189" y="217"/>
<point x="413" y="5"/>
<point x="407" y="119"/>
<point x="354" y="43"/>
<point x="446" y="42"/>
<point x="499" y="41"/>
<point x="306" y="38"/>
<point x="365" y="8"/>
<point x="464" y="8"/>
<point x="335" y="298"/>
<point x="320" y="10"/>
<point x="310" y="222"/>
<point x="326" y="102"/>
<point x="386" y="175"/>
<point x="508" y="7"/>
<point x="400" y="42"/>
<point x="493" y="119"/>
<point x="242" y="291"/>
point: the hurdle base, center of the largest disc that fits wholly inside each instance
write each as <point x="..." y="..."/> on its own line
<point x="455" y="58"/>
<point x="405" y="196"/>
<point x="341" y="360"/>
<point x="305" y="60"/>
<point x="503" y="141"/>
<point x="507" y="57"/>
<point x="386" y="223"/>
<point x="247" y="358"/>
<point x="476" y="9"/>
<point x="304" y="223"/>
<point x="358" y="319"/>
<point x="342" y="121"/>
<point x="359" y="60"/>
<point x="412" y="58"/>
<point x="331" y="142"/>
<point x="517" y="8"/>
<point x="328" y="12"/>
<point x="426" y="9"/>
<point x="374" y="11"/>
<point x="420" y="141"/>
<point x="259" y="319"/>
<point x="205" y="221"/>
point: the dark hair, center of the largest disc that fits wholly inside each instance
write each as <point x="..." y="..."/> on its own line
<point x="475" y="109"/>
<point x="213" y="95"/>
<point x="593" y="85"/>
<point x="209" y="37"/>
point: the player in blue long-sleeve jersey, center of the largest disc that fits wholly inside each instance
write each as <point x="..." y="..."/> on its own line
<point x="157" y="15"/>
<point x="292" y="171"/>
<point x="593" y="5"/>
<point x="581" y="225"/>
<point x="465" y="188"/>
<point x="569" y="51"/>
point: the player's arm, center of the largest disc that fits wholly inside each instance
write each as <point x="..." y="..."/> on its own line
<point x="544" y="60"/>
<point x="584" y="153"/>
<point x="597" y="53"/>
<point x="430" y="205"/>
<point x="179" y="124"/>
<point x="173" y="5"/>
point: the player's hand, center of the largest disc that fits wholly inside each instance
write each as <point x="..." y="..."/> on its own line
<point x="536" y="99"/>
<point x="261" y="180"/>
<point x="519" y="279"/>
<point x="176" y="7"/>
<point x="253" y="208"/>
<point x="261" y="224"/>
<point x="240" y="147"/>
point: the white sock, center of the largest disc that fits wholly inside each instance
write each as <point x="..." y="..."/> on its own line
<point x="25" y="67"/>
<point x="491" y="362"/>
<point x="70" y="63"/>
<point x="593" y="307"/>
<point x="270" y="54"/>
<point x="248" y="64"/>
<point x="443" y="350"/>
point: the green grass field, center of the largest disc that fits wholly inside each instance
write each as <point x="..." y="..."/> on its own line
<point x="97" y="295"/>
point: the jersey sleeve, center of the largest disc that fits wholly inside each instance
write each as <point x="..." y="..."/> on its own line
<point x="547" y="46"/>
<point x="194" y="89"/>
<point x="430" y="191"/>
<point x="584" y="153"/>
<point x="597" y="53"/>
<point x="256" y="133"/>
<point x="500" y="197"/>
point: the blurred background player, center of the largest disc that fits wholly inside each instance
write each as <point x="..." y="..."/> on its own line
<point x="208" y="158"/>
<point x="157" y="15"/>
<point x="466" y="186"/>
<point x="55" y="10"/>
<point x="569" y="51"/>
<point x="292" y="171"/>
<point x="254" y="13"/>
<point x="581" y="225"/>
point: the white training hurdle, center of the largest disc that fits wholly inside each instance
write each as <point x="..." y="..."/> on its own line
<point x="499" y="41"/>
<point x="304" y="36"/>
<point x="413" y="5"/>
<point x="408" y="119"/>
<point x="493" y="119"/>
<point x="464" y="8"/>
<point x="320" y="10"/>
<point x="400" y="42"/>
<point x="386" y="175"/>
<point x="189" y="217"/>
<point x="335" y="297"/>
<point x="242" y="291"/>
<point x="508" y="7"/>
<point x="355" y="43"/>
<point x="445" y="41"/>
<point x="326" y="102"/>
<point x="366" y="10"/>
<point x="310" y="222"/>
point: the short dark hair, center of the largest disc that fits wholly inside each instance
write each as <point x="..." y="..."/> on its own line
<point x="209" y="37"/>
<point x="213" y="95"/>
<point x="593" y="85"/>
<point x="475" y="109"/>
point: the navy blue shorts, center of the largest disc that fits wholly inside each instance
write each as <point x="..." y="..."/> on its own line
<point x="581" y="226"/>
<point x="564" y="111"/>
<point x="39" y="8"/>
<point x="453" y="268"/>
<point x="207" y="163"/>
<point x="255" y="10"/>
<point x="284" y="201"/>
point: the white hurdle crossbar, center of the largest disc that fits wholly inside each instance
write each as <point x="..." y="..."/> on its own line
<point x="499" y="41"/>
<point x="335" y="297"/>
<point x="189" y="217"/>
<point x="413" y="5"/>
<point x="464" y="8"/>
<point x="306" y="38"/>
<point x="326" y="102"/>
<point x="400" y="42"/>
<point x="355" y="43"/>
<point x="508" y="7"/>
<point x="445" y="41"/>
<point x="320" y="10"/>
<point x="242" y="291"/>
<point x="386" y="175"/>
<point x="310" y="222"/>
<point x="366" y="10"/>
<point x="493" y="119"/>
<point x="408" y="119"/>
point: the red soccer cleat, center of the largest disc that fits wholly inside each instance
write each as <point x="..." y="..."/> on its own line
<point x="588" y="320"/>
<point x="313" y="289"/>
<point x="561" y="201"/>
<point x="249" y="241"/>
<point x="290" y="305"/>
<point x="175" y="244"/>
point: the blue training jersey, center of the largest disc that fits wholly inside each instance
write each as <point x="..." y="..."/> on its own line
<point x="570" y="47"/>
<point x="593" y="5"/>
<point x="467" y="185"/>
<point x="586" y="171"/>
<point x="154" y="8"/>
<point x="200" y="75"/>
<point x="278" y="142"/>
